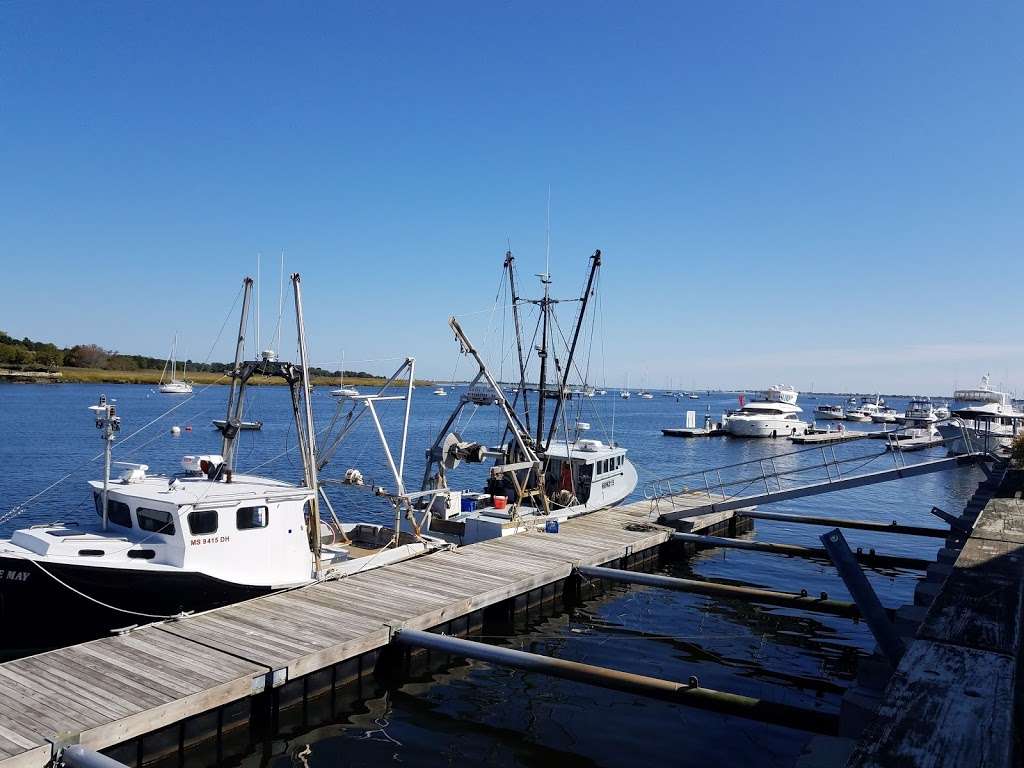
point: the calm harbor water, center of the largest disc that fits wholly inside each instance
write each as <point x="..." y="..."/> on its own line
<point x="472" y="713"/>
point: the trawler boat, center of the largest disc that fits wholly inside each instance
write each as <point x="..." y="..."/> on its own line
<point x="774" y="415"/>
<point x="538" y="477"/>
<point x="174" y="385"/>
<point x="829" y="412"/>
<point x="165" y="545"/>
<point x="919" y="411"/>
<point x="988" y="427"/>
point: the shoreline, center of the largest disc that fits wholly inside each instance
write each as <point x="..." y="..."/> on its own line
<point x="152" y="378"/>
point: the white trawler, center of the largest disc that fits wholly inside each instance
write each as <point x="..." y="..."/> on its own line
<point x="210" y="535"/>
<point x="774" y="415"/>
<point x="540" y="474"/>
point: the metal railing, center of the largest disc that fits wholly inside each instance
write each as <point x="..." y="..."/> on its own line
<point x="765" y="475"/>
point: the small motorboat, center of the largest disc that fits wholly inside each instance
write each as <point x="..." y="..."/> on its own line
<point x="440" y="392"/>
<point x="248" y="425"/>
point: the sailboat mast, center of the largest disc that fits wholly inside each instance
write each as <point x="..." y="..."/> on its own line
<point x="509" y="265"/>
<point x="595" y="264"/>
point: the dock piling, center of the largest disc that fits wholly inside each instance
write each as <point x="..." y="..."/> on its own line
<point x="864" y="596"/>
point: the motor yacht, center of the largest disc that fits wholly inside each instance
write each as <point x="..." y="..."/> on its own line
<point x="988" y="427"/>
<point x="829" y="412"/>
<point x="776" y="414"/>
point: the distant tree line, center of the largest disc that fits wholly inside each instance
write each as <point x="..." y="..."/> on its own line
<point x="25" y="353"/>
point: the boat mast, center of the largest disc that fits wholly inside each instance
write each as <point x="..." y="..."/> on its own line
<point x="109" y="423"/>
<point x="309" y="457"/>
<point x="595" y="264"/>
<point x="227" y="443"/>
<point x="509" y="265"/>
<point x="542" y="353"/>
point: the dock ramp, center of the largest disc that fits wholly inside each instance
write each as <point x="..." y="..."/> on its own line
<point x="792" y="475"/>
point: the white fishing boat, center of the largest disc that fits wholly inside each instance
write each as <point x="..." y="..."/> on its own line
<point x="988" y="426"/>
<point x="825" y="412"/>
<point x="174" y="385"/>
<point x="776" y="414"/>
<point x="539" y="476"/>
<point x="165" y="545"/>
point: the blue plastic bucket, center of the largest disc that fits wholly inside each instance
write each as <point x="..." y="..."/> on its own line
<point x="468" y="505"/>
<point x="551" y="526"/>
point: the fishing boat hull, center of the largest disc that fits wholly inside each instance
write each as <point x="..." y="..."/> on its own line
<point x="44" y="607"/>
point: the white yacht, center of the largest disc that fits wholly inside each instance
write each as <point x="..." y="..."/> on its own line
<point x="441" y="392"/>
<point x="539" y="476"/>
<point x="866" y="410"/>
<point x="624" y="394"/>
<point x="829" y="412"/>
<point x="174" y="385"/>
<point x="919" y="411"/>
<point x="774" y="415"/>
<point x="885" y="415"/>
<point x="990" y="426"/>
<point x="164" y="545"/>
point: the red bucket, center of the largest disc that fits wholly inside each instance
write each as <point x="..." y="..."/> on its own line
<point x="499" y="501"/>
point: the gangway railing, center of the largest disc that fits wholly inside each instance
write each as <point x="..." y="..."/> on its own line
<point x="761" y="481"/>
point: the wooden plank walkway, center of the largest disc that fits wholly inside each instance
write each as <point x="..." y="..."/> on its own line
<point x="111" y="690"/>
<point x="951" y="699"/>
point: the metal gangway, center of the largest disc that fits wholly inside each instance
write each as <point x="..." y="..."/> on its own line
<point x="792" y="475"/>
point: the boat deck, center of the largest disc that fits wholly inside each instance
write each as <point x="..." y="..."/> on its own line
<point x="107" y="691"/>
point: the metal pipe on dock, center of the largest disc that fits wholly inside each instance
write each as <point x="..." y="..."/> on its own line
<point x="691" y="694"/>
<point x="822" y="603"/>
<point x="794" y="550"/>
<point x="77" y="756"/>
<point x="865" y="525"/>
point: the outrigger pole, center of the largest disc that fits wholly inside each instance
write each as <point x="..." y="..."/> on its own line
<point x="510" y="267"/>
<point x="302" y="407"/>
<point x="595" y="265"/>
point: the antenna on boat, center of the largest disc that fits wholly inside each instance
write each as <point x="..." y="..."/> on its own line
<point x="109" y="423"/>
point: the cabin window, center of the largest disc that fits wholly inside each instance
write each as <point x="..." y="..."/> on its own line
<point x="118" y="512"/>
<point x="141" y="554"/>
<point x="155" y="520"/>
<point x="251" y="517"/>
<point x="90" y="553"/>
<point x="201" y="522"/>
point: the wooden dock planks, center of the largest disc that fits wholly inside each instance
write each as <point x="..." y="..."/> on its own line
<point x="951" y="700"/>
<point x="114" y="689"/>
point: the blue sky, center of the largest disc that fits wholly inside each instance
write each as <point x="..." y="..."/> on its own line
<point x="802" y="192"/>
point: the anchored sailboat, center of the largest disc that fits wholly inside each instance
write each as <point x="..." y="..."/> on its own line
<point x="174" y="385"/>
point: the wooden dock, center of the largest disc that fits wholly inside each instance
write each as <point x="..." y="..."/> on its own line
<point x="109" y="691"/>
<point x="951" y="701"/>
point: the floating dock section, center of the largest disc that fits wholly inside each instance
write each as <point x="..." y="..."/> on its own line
<point x="106" y="692"/>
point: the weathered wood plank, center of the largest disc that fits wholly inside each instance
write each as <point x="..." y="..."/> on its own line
<point x="945" y="706"/>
